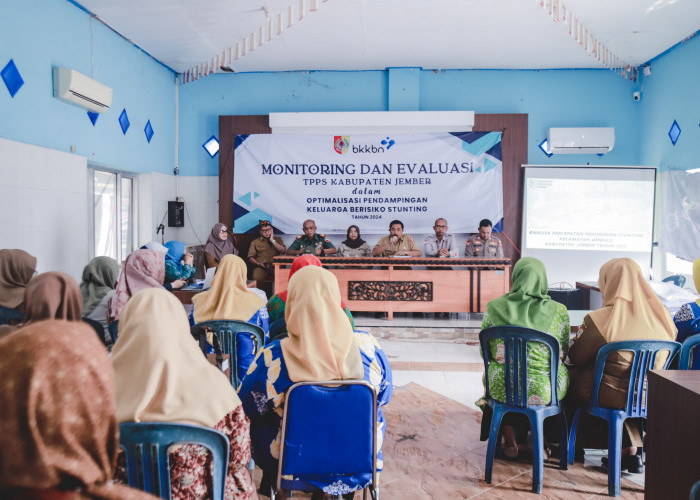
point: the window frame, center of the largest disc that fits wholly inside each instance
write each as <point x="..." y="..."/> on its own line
<point x="133" y="216"/>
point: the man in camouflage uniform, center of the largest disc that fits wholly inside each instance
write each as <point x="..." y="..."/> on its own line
<point x="262" y="250"/>
<point x="484" y="244"/>
<point x="310" y="242"/>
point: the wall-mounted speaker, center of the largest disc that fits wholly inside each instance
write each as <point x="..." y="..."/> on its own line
<point x="176" y="213"/>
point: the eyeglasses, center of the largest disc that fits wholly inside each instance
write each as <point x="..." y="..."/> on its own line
<point x="440" y="225"/>
<point x="223" y="231"/>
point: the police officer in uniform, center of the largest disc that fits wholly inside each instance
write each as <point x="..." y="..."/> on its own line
<point x="310" y="242"/>
<point x="263" y="249"/>
<point x="484" y="244"/>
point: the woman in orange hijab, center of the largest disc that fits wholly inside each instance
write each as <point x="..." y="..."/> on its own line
<point x="631" y="311"/>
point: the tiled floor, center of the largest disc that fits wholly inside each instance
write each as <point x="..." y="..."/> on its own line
<point x="432" y="447"/>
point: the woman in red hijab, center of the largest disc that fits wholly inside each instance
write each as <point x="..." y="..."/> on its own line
<point x="277" y="303"/>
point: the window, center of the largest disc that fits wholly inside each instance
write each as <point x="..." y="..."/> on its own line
<point x="113" y="214"/>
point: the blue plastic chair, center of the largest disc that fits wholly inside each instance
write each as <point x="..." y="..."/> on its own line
<point x="113" y="329"/>
<point x="148" y="461"/>
<point x="10" y="316"/>
<point x="278" y="329"/>
<point x="676" y="279"/>
<point x="239" y="339"/>
<point x="515" y="339"/>
<point x="687" y="349"/>
<point x="695" y="491"/>
<point x="328" y="430"/>
<point x="645" y="352"/>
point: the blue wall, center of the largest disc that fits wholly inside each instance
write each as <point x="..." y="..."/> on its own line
<point x="670" y="93"/>
<point x="552" y="98"/>
<point x="41" y="34"/>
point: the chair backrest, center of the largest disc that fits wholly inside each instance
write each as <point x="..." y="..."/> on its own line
<point x="148" y="462"/>
<point x="645" y="352"/>
<point x="227" y="331"/>
<point x="10" y="316"/>
<point x="676" y="279"/>
<point x="515" y="339"/>
<point x="689" y="344"/>
<point x="329" y="428"/>
<point x="113" y="329"/>
<point x="278" y="329"/>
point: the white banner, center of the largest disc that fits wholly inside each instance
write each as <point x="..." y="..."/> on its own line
<point x="681" y="233"/>
<point x="368" y="180"/>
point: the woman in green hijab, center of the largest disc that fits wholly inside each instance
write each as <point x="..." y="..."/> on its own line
<point x="527" y="304"/>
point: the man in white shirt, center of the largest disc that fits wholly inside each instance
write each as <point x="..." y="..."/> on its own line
<point x="441" y="244"/>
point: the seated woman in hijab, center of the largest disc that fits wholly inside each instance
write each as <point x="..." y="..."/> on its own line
<point x="321" y="346"/>
<point x="50" y="295"/>
<point x="161" y="375"/>
<point x="230" y="298"/>
<point x="218" y="245"/>
<point x="73" y="452"/>
<point x="354" y="245"/>
<point x="99" y="279"/>
<point x="687" y="319"/>
<point x="142" y="269"/>
<point x="276" y="304"/>
<point x="16" y="269"/>
<point x="631" y="311"/>
<point x="527" y="304"/>
<point x="178" y="264"/>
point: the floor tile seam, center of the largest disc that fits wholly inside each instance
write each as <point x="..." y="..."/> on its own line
<point x="494" y="486"/>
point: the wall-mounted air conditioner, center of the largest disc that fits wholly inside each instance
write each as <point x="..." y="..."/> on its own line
<point x="578" y="140"/>
<point x="76" y="88"/>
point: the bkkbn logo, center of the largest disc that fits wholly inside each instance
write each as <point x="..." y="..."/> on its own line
<point x="341" y="143"/>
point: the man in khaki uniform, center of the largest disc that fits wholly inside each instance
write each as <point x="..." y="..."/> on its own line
<point x="262" y="250"/>
<point x="484" y="244"/>
<point x="397" y="243"/>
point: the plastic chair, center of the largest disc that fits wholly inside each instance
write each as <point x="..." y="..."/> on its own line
<point x="329" y="431"/>
<point x="10" y="316"/>
<point x="645" y="352"/>
<point x="102" y="334"/>
<point x="113" y="330"/>
<point x="695" y="491"/>
<point x="676" y="279"/>
<point x="515" y="339"/>
<point x="232" y="334"/>
<point x="278" y="329"/>
<point x="147" y="458"/>
<point x="687" y="348"/>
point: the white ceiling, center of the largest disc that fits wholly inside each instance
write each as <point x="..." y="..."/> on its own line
<point x="376" y="34"/>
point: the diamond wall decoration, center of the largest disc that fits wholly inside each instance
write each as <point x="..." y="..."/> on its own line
<point x="675" y="132"/>
<point x="148" y="131"/>
<point x="544" y="146"/>
<point x="124" y="121"/>
<point x="11" y="77"/>
<point x="93" y="117"/>
<point x="211" y="146"/>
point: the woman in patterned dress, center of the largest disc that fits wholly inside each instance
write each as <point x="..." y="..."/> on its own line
<point x="527" y="304"/>
<point x="687" y="319"/>
<point x="178" y="264"/>
<point x="321" y="346"/>
<point x="162" y="376"/>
